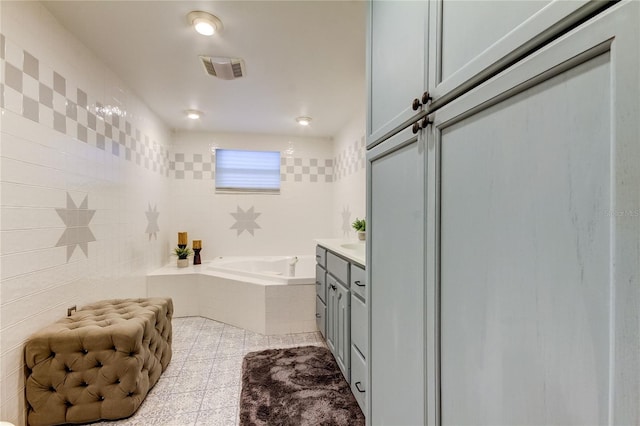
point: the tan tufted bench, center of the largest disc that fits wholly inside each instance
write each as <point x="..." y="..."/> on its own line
<point x="98" y="363"/>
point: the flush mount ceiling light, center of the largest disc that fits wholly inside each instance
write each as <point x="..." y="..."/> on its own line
<point x="204" y="23"/>
<point x="193" y="114"/>
<point x="303" y="121"/>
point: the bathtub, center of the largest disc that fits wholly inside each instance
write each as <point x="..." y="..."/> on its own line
<point x="254" y="293"/>
<point x="273" y="270"/>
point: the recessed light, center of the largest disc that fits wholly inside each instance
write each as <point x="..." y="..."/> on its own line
<point x="193" y="114"/>
<point x="204" y="23"/>
<point x="303" y="121"/>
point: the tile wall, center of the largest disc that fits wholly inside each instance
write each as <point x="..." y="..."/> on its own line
<point x="83" y="178"/>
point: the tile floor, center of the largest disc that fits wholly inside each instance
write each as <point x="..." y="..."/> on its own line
<point x="202" y="384"/>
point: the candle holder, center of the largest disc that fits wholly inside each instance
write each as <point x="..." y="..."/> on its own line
<point x="197" y="246"/>
<point x="182" y="239"/>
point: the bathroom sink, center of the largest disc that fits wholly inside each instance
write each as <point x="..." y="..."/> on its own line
<point x="358" y="247"/>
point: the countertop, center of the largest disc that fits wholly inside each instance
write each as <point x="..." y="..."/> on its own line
<point x="356" y="252"/>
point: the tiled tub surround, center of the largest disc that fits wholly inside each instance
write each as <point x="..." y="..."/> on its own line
<point x="82" y="160"/>
<point x="262" y="305"/>
<point x="202" y="384"/>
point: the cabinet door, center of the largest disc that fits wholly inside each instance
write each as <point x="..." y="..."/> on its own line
<point x="495" y="34"/>
<point x="332" y="312"/>
<point x="396" y="63"/>
<point x="395" y="268"/>
<point x="343" y="330"/>
<point x="540" y="277"/>
<point x="321" y="317"/>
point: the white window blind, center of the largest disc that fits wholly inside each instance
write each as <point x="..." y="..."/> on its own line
<point x="247" y="170"/>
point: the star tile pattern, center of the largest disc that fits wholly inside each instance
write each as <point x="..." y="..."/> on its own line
<point x="152" y="222"/>
<point x="77" y="232"/>
<point x="245" y="220"/>
<point x="346" y="220"/>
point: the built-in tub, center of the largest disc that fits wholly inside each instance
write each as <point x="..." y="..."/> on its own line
<point x="255" y="293"/>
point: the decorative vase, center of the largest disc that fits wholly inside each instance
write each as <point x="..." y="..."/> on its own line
<point x="183" y="263"/>
<point x="362" y="235"/>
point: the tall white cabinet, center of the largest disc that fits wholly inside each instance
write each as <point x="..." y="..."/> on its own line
<point x="504" y="237"/>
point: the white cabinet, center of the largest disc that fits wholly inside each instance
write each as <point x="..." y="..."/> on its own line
<point x="397" y="52"/>
<point x="396" y="296"/>
<point x="539" y="255"/>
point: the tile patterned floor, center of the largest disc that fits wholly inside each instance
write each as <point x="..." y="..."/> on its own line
<point x="205" y="391"/>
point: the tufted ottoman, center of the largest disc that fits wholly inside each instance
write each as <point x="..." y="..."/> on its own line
<point x="98" y="363"/>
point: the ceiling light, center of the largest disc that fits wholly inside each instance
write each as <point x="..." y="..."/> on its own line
<point x="204" y="23"/>
<point x="303" y="121"/>
<point x="193" y="114"/>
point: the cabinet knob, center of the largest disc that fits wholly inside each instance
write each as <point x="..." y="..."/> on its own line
<point x="358" y="283"/>
<point x="416" y="127"/>
<point x="357" y="385"/>
<point x="333" y="287"/>
<point x="416" y="104"/>
<point x="425" y="122"/>
<point x="318" y="316"/>
<point x="426" y="97"/>
<point x="318" y="283"/>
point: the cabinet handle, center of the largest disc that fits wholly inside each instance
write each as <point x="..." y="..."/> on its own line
<point x="318" y="256"/>
<point x="420" y="125"/>
<point x="358" y="284"/>
<point x="333" y="287"/>
<point x="358" y="387"/>
<point x="416" y="127"/>
<point x="318" y="316"/>
<point x="416" y="104"/>
<point x="426" y="97"/>
<point x="318" y="283"/>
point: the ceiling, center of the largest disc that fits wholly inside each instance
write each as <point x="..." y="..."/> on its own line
<point x="302" y="58"/>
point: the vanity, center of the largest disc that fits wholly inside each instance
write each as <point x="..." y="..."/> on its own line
<point x="341" y="310"/>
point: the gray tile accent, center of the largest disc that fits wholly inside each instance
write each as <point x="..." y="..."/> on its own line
<point x="297" y="161"/>
<point x="31" y="66"/>
<point x="197" y="158"/>
<point x="115" y="148"/>
<point x="2" y="46"/>
<point x="13" y="77"/>
<point x="122" y="138"/>
<point x="127" y="128"/>
<point x="197" y="175"/>
<point x="30" y="109"/>
<point x="188" y="165"/>
<point x="206" y="167"/>
<point x="127" y="154"/>
<point x="72" y="113"/>
<point x="107" y="130"/>
<point x="46" y="95"/>
<point x="350" y="160"/>
<point x="100" y="141"/>
<point x="81" y="97"/>
<point x="59" y="122"/>
<point x="91" y="120"/>
<point x="59" y="84"/>
<point x="82" y="132"/>
<point x="297" y="177"/>
<point x="313" y="162"/>
<point x="115" y="121"/>
<point x="179" y="158"/>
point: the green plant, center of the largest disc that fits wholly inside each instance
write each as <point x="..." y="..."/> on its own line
<point x="359" y="225"/>
<point x="182" y="253"/>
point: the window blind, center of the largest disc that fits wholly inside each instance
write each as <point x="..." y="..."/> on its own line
<point x="239" y="170"/>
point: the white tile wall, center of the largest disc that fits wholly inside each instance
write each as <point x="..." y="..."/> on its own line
<point x="40" y="166"/>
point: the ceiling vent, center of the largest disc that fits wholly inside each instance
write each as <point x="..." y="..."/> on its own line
<point x="224" y="68"/>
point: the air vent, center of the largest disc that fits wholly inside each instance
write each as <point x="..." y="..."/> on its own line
<point x="224" y="68"/>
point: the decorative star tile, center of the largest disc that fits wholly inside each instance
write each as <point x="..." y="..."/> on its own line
<point x="346" y="220"/>
<point x="152" y="222"/>
<point x="77" y="232"/>
<point x="245" y="220"/>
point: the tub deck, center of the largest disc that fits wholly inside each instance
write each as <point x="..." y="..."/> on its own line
<point x="255" y="304"/>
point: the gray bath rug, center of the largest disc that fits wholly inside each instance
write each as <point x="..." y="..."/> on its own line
<point x="296" y="386"/>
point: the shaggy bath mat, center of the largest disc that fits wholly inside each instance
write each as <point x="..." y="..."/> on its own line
<point x="296" y="386"/>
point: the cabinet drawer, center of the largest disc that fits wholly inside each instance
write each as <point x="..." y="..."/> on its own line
<point x="359" y="329"/>
<point x="359" y="378"/>
<point x="321" y="256"/>
<point x="321" y="283"/>
<point x="338" y="267"/>
<point x="321" y="315"/>
<point x="358" y="280"/>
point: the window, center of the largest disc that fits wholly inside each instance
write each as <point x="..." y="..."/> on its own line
<point x="249" y="171"/>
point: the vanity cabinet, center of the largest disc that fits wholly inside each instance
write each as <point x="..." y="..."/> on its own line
<point x="321" y="291"/>
<point x="346" y="322"/>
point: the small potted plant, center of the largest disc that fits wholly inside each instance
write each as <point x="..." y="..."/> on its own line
<point x="360" y="225"/>
<point x="183" y="253"/>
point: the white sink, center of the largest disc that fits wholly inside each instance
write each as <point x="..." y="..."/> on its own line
<point x="357" y="247"/>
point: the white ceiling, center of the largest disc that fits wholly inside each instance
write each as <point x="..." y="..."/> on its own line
<point x="302" y="58"/>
